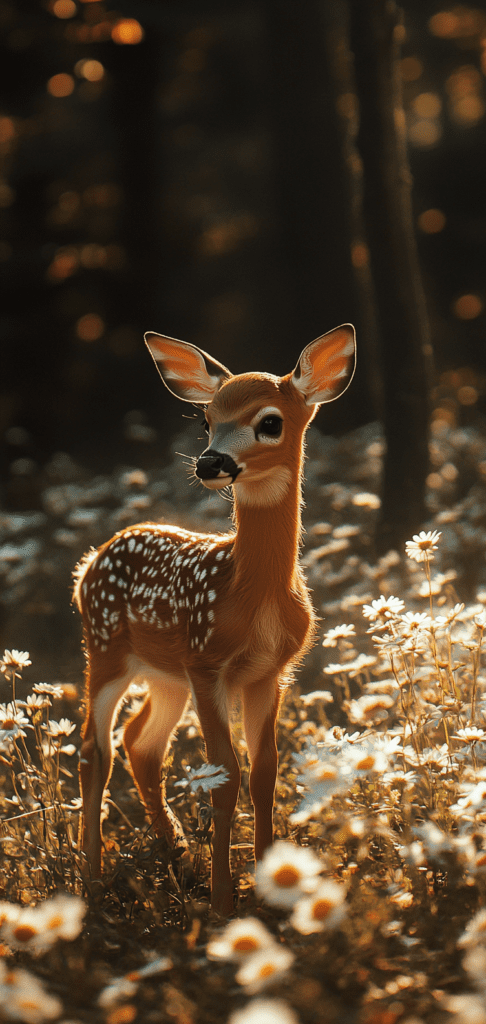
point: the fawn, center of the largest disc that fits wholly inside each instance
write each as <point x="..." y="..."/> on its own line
<point x="210" y="616"/>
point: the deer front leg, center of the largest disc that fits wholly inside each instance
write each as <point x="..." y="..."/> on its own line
<point x="95" y="764"/>
<point x="260" y="707"/>
<point x="219" y="751"/>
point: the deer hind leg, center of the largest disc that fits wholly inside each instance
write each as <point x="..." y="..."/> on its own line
<point x="96" y="760"/>
<point x="146" y="740"/>
<point x="219" y="751"/>
<point x="260" y="707"/>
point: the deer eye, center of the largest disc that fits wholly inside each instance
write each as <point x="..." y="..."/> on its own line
<point x="271" y="426"/>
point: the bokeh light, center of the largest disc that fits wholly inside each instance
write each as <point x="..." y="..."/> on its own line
<point x="464" y="81"/>
<point x="464" y="87"/>
<point x="7" y="130"/>
<point x="457" y="391"/>
<point x="467" y="395"/>
<point x="63" y="8"/>
<point x="467" y="307"/>
<point x="427" y="104"/>
<point x="104" y="194"/>
<point x="90" y="327"/>
<point x="60" y="85"/>
<point x="91" y="70"/>
<point x="64" y="264"/>
<point x="411" y="68"/>
<point x="225" y="236"/>
<point x="424" y="133"/>
<point x="459" y="23"/>
<point x="468" y="110"/>
<point x="360" y="255"/>
<point x="127" y="31"/>
<point x="92" y="255"/>
<point x="431" y="221"/>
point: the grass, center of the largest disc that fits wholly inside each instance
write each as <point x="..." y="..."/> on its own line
<point x="369" y="908"/>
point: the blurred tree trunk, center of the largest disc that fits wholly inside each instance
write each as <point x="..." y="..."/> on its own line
<point x="136" y="79"/>
<point x="403" y="333"/>
<point x="315" y="287"/>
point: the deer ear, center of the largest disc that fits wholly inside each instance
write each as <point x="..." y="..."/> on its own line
<point x="187" y="371"/>
<point x="326" y="366"/>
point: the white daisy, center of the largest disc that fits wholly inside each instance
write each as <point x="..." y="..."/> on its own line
<point x="37" y="928"/>
<point x="264" y="1011"/>
<point x="206" y="777"/>
<point x="12" y="722"/>
<point x="326" y="776"/>
<point x="369" y="708"/>
<point x="352" y="668"/>
<point x="25" y="998"/>
<point x="286" y="872"/>
<point x="383" y="608"/>
<point x="239" y="939"/>
<point x="470" y="734"/>
<point x="22" y="928"/>
<point x="35" y="701"/>
<point x="62" y="728"/>
<point x="451" y="614"/>
<point x="370" y="755"/>
<point x="324" y="696"/>
<point x="423" y="545"/>
<point x="63" y="914"/>
<point x="117" y="990"/>
<point x="14" y="660"/>
<point x="366" y="499"/>
<point x="53" y="689"/>
<point x="10" y="716"/>
<point x="475" y="931"/>
<point x="264" y="967"/>
<point x="416" y="620"/>
<point x="339" y="633"/>
<point x="323" y="910"/>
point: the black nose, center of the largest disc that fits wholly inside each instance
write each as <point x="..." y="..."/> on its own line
<point x="211" y="464"/>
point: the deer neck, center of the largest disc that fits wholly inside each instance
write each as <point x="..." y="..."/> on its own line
<point x="268" y="531"/>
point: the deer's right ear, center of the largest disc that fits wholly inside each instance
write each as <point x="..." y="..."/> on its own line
<point x="187" y="371"/>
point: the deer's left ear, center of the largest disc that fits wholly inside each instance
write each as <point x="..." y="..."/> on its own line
<point x="186" y="370"/>
<point x="326" y="366"/>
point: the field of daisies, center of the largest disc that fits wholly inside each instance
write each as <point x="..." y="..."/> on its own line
<point x="370" y="906"/>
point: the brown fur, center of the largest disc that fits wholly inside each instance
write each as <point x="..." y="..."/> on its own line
<point x="215" y="615"/>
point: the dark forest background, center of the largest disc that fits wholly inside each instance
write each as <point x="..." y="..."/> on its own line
<point x="191" y="168"/>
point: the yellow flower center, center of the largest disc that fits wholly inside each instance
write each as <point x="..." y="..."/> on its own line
<point x="266" y="970"/>
<point x="24" y="932"/>
<point x="365" y="763"/>
<point x="286" y="876"/>
<point x="321" y="909"/>
<point x="8" y="723"/>
<point x="326" y="774"/>
<point x="55" y="921"/>
<point x="244" y="944"/>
